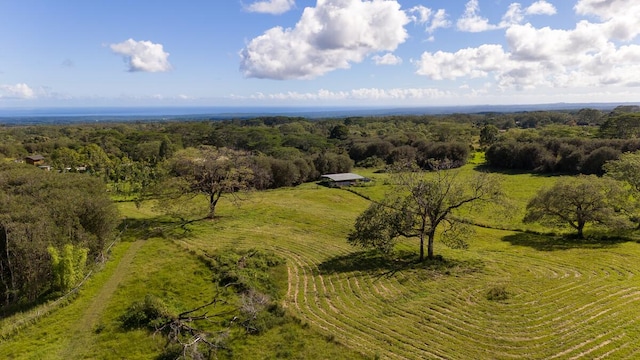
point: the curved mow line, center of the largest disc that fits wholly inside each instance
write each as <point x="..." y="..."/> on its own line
<point x="348" y="329"/>
<point x="357" y="285"/>
<point x="338" y="294"/>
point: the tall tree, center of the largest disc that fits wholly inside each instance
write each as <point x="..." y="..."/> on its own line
<point x="211" y="172"/>
<point x="489" y="135"/>
<point x="624" y="126"/>
<point x="626" y="168"/>
<point x="64" y="158"/>
<point x="578" y="201"/>
<point x="420" y="205"/>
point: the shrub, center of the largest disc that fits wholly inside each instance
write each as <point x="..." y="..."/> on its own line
<point x="149" y="313"/>
<point x="593" y="163"/>
<point x="245" y="270"/>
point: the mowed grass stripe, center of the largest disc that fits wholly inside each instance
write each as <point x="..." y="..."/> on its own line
<point x="330" y="328"/>
<point x="560" y="300"/>
<point x="314" y="307"/>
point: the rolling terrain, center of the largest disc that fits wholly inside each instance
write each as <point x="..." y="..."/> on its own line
<point x="511" y="295"/>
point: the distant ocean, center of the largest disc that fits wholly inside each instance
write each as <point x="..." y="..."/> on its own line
<point x="96" y="114"/>
<point x="138" y="111"/>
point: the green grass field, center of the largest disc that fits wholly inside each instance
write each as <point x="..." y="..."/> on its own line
<point x="511" y="295"/>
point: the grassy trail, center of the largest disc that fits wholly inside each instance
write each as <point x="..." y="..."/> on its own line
<point x="83" y="334"/>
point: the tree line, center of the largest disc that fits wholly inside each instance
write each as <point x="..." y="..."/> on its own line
<point x="586" y="154"/>
<point x="127" y="154"/>
<point x="285" y="151"/>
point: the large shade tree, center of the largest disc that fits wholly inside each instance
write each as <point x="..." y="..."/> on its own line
<point x="627" y="169"/>
<point x="578" y="201"/>
<point x="212" y="172"/>
<point x="420" y="204"/>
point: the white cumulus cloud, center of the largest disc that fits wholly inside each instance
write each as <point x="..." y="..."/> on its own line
<point x="274" y="7"/>
<point x="541" y="7"/>
<point x="432" y="20"/>
<point x="604" y="9"/>
<point x="620" y="17"/>
<point x="330" y="36"/>
<point x="588" y="56"/>
<point x="471" y="21"/>
<point x="470" y="62"/>
<point x="143" y="55"/>
<point x="387" y="59"/>
<point x="513" y="15"/>
<point x="17" y="91"/>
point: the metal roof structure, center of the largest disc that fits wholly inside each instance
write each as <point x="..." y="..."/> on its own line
<point x="343" y="177"/>
<point x="35" y="157"/>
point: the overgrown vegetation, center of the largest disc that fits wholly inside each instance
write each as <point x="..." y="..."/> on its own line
<point x="51" y="225"/>
<point x="247" y="303"/>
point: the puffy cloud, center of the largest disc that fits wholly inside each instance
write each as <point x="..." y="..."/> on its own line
<point x="512" y="16"/>
<point x="531" y="44"/>
<point x="17" y="91"/>
<point x="143" y="55"/>
<point x="620" y="17"/>
<point x="274" y="7"/>
<point x="420" y="14"/>
<point x="439" y="21"/>
<point x="604" y="9"/>
<point x="330" y="36"/>
<point x="541" y="7"/>
<point x="432" y="20"/>
<point x="588" y="55"/>
<point x="387" y="59"/>
<point x="470" y="62"/>
<point x="471" y="21"/>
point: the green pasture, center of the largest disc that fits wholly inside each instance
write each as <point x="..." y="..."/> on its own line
<point x="513" y="294"/>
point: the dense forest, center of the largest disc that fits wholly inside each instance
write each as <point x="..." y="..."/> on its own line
<point x="54" y="224"/>
<point x="51" y="228"/>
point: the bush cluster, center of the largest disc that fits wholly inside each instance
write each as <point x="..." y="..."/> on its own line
<point x="558" y="155"/>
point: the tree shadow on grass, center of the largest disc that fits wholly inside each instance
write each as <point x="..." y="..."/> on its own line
<point x="374" y="263"/>
<point x="133" y="229"/>
<point x="563" y="242"/>
<point x="497" y="170"/>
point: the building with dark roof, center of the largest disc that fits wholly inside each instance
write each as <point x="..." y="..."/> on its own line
<point x="34" y="159"/>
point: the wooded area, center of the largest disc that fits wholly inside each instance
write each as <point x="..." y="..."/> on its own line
<point x="50" y="224"/>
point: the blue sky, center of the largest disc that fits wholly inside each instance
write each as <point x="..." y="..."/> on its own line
<point x="356" y="53"/>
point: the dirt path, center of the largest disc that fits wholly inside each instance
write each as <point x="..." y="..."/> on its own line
<point x="83" y="335"/>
